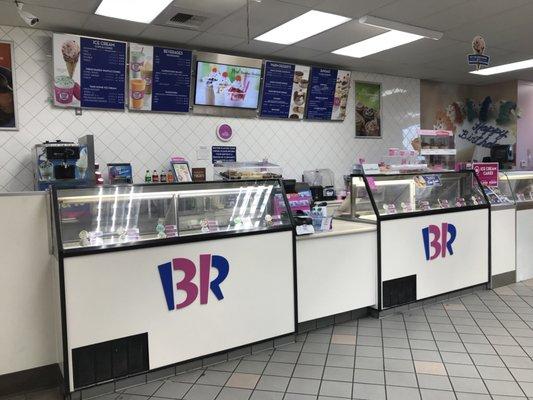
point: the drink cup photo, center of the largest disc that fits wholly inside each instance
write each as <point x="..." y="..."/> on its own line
<point x="136" y="63"/>
<point x="63" y="89"/>
<point x="138" y="88"/>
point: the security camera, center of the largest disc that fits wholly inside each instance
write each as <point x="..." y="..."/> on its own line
<point x="27" y="17"/>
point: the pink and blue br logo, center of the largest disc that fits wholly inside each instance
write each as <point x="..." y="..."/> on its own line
<point x="438" y="240"/>
<point x="207" y="261"/>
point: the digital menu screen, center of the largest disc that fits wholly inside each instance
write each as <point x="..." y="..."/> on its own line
<point x="328" y="94"/>
<point x="223" y="85"/>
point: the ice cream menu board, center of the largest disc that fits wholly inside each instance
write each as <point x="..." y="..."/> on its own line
<point x="88" y="72"/>
<point x="284" y="90"/>
<point x="159" y="78"/>
<point x="328" y="94"/>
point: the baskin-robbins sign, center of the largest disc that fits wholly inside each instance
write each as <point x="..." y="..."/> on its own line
<point x="189" y="270"/>
<point x="438" y="240"/>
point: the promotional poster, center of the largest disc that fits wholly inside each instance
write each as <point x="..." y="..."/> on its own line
<point x="8" y="109"/>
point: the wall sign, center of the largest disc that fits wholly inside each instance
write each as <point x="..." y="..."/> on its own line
<point x="367" y="110"/>
<point x="224" y="132"/>
<point x="89" y="72"/>
<point x="223" y="154"/>
<point x="8" y="105"/>
<point x="328" y="94"/>
<point x="478" y="58"/>
<point x="487" y="173"/>
<point x="159" y="78"/>
<point x="198" y="175"/>
<point x="284" y="90"/>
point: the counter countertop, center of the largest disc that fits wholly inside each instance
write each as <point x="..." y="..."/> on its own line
<point x="341" y="227"/>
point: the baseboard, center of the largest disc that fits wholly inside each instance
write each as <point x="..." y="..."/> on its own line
<point x="30" y="380"/>
<point x="503" y="279"/>
<point x="332" y="319"/>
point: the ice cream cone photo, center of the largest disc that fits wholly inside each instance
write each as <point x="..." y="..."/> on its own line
<point x="71" y="54"/>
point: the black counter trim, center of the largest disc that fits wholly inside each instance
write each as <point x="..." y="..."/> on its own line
<point x="169" y="241"/>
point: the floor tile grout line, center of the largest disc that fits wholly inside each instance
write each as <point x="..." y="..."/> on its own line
<point x="412" y="357"/>
<point x="511" y="335"/>
<point x="476" y="366"/>
<point x="295" y="364"/>
<point x="352" y="392"/>
<point x="383" y="358"/>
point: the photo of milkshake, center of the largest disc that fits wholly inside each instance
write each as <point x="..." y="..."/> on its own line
<point x="146" y="74"/>
<point x="71" y="54"/>
<point x="136" y="63"/>
<point x="138" y="88"/>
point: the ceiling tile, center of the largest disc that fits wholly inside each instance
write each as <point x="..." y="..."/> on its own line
<point x="57" y="19"/>
<point x="218" y="7"/>
<point x="305" y="3"/>
<point x="413" y="11"/>
<point x="297" y="53"/>
<point x="263" y="17"/>
<point x="113" y="26"/>
<point x="213" y="41"/>
<point x="86" y="6"/>
<point x="351" y="8"/>
<point x="340" y="36"/>
<point x="167" y="34"/>
<point x="257" y="47"/>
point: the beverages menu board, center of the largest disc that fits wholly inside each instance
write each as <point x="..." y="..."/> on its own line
<point x="328" y="94"/>
<point x="159" y="78"/>
<point x="284" y="90"/>
<point x="88" y="72"/>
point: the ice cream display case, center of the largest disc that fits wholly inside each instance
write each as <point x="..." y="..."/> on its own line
<point x="137" y="263"/>
<point x="503" y="232"/>
<point x="433" y="232"/>
<point x="521" y="184"/>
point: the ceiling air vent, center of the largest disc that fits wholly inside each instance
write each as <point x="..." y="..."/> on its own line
<point x="184" y="20"/>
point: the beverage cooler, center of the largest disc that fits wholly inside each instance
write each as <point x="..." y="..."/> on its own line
<point x="433" y="232"/>
<point x="153" y="275"/>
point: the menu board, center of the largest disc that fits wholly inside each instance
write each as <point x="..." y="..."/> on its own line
<point x="328" y="94"/>
<point x="159" y="78"/>
<point x="284" y="90"/>
<point x="88" y="72"/>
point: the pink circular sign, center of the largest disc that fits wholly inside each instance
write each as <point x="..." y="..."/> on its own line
<point x="224" y="132"/>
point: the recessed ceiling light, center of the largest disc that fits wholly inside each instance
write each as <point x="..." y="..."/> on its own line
<point x="132" y="10"/>
<point x="378" y="43"/>
<point x="500" y="69"/>
<point x="304" y="26"/>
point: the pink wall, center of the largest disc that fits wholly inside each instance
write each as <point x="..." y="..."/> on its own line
<point x="525" y="122"/>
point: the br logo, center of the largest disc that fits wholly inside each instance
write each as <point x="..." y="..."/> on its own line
<point x="438" y="240"/>
<point x="207" y="261"/>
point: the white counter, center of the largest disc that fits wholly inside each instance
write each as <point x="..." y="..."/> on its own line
<point x="336" y="270"/>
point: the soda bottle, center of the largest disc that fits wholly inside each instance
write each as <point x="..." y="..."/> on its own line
<point x="163" y="177"/>
<point x="147" y="177"/>
<point x="155" y="177"/>
<point x="170" y="176"/>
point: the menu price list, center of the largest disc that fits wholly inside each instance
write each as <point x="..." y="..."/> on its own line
<point x="172" y="80"/>
<point x="277" y="89"/>
<point x="103" y="73"/>
<point x="321" y="93"/>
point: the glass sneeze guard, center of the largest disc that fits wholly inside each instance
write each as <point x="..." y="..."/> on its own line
<point x="122" y="215"/>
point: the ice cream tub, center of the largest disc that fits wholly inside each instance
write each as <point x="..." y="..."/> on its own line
<point x="63" y="89"/>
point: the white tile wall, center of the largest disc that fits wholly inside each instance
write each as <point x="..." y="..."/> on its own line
<point x="148" y="140"/>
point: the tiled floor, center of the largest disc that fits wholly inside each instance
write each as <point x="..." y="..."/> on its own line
<point x="475" y="347"/>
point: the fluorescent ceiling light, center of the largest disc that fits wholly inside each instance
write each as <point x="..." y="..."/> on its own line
<point x="304" y="26"/>
<point x="500" y="69"/>
<point x="132" y="10"/>
<point x="378" y="43"/>
<point x="398" y="26"/>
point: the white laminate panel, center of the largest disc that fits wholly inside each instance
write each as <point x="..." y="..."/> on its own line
<point x="117" y="294"/>
<point x="336" y="274"/>
<point x="524" y="244"/>
<point x="503" y="240"/>
<point x="27" y="333"/>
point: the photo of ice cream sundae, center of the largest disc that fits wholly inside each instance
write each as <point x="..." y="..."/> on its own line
<point x="299" y="91"/>
<point x="367" y="110"/>
<point x="340" y="100"/>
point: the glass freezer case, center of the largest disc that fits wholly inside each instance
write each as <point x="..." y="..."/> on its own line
<point x="521" y="186"/>
<point x="393" y="195"/>
<point x="500" y="196"/>
<point x="130" y="214"/>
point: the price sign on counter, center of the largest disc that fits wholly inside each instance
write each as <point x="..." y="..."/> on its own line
<point x="487" y="173"/>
